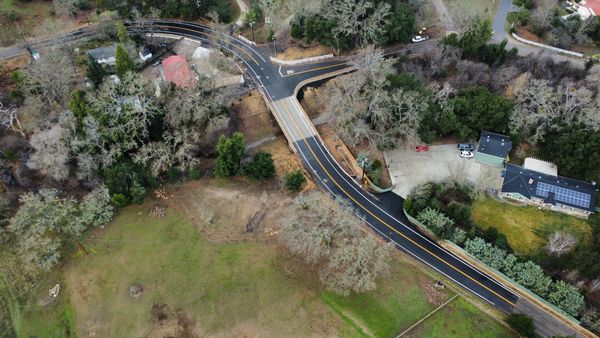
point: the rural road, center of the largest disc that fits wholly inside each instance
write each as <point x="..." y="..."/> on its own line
<point x="383" y="213"/>
<point x="280" y="91"/>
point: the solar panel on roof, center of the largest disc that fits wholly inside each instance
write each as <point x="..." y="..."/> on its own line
<point x="564" y="195"/>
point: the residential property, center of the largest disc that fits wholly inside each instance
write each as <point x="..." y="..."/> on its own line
<point x="104" y="55"/>
<point x="539" y="185"/>
<point x="585" y="8"/>
<point x="177" y="71"/>
<point x="493" y="149"/>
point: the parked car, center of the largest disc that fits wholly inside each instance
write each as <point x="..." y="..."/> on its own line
<point x="420" y="38"/>
<point x="465" y="146"/>
<point x="466" y="154"/>
<point x="419" y="149"/>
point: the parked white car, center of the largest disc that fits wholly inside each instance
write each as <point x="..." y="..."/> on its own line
<point x="466" y="154"/>
<point x="420" y="38"/>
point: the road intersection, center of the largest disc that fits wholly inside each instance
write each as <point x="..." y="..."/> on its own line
<point x="279" y="87"/>
<point x="279" y="90"/>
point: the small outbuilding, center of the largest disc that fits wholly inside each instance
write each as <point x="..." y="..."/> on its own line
<point x="493" y="149"/>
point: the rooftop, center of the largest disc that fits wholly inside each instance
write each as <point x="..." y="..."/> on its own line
<point x="103" y="54"/>
<point x="178" y="71"/>
<point x="552" y="189"/>
<point x="494" y="144"/>
<point x="540" y="166"/>
<point x="592" y="5"/>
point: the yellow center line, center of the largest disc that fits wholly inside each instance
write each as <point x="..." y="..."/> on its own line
<point x="214" y="36"/>
<point x="314" y="69"/>
<point x="379" y="219"/>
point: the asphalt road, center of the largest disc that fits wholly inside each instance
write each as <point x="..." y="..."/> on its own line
<point x="383" y="213"/>
<point x="279" y="86"/>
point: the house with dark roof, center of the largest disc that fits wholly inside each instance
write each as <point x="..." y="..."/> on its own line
<point x="553" y="192"/>
<point x="104" y="55"/>
<point x="493" y="149"/>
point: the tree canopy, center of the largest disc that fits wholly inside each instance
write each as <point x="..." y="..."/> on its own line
<point x="230" y="152"/>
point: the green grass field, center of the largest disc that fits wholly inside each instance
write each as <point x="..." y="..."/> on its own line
<point x="461" y="9"/>
<point x="526" y="227"/>
<point x="225" y="289"/>
<point x="459" y="319"/>
<point x="221" y="286"/>
<point x="396" y="304"/>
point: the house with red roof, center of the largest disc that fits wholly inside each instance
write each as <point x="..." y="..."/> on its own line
<point x="177" y="71"/>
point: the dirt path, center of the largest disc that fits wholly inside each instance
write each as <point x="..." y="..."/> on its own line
<point x="243" y="9"/>
<point x="444" y="15"/>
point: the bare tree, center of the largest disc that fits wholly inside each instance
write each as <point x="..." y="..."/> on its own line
<point x="66" y="7"/>
<point x="543" y="14"/>
<point x="50" y="85"/>
<point x="354" y="18"/>
<point x="326" y="234"/>
<point x="560" y="243"/>
<point x="51" y="153"/>
<point x="539" y="106"/>
<point x="364" y="108"/>
<point x="10" y="119"/>
<point x="355" y="264"/>
<point x="595" y="285"/>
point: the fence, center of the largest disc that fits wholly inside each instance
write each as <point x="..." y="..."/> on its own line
<point x="541" y="45"/>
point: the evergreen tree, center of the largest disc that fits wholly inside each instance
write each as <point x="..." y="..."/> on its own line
<point x="78" y="106"/>
<point x="230" y="152"/>
<point x="124" y="62"/>
<point x="262" y="166"/>
<point x="294" y="180"/>
<point x="95" y="72"/>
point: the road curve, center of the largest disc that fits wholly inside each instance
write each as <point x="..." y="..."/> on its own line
<point x="384" y="217"/>
<point x="279" y="89"/>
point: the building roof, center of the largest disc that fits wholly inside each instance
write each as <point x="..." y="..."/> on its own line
<point x="494" y="144"/>
<point x="178" y="71"/>
<point x="540" y="166"/>
<point x="103" y="54"/>
<point x="552" y="189"/>
<point x="592" y="5"/>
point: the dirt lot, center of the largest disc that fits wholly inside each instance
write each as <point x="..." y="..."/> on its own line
<point x="298" y="51"/>
<point x="256" y="121"/>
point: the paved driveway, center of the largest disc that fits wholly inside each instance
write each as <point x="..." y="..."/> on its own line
<point x="409" y="168"/>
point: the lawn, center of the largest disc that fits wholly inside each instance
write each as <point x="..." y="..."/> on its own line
<point x="526" y="227"/>
<point x="459" y="319"/>
<point x="396" y="304"/>
<point x="462" y="9"/>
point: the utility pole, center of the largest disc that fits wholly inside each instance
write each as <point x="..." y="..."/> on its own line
<point x="252" y="23"/>
<point x="364" y="162"/>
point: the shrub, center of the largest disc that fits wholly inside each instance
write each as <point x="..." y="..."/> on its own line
<point x="194" y="174"/>
<point x="119" y="200"/>
<point x="262" y="166"/>
<point x="173" y="174"/>
<point x="138" y="192"/>
<point x="294" y="180"/>
<point x="522" y="324"/>
<point x="458" y="236"/>
<point x="230" y="151"/>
